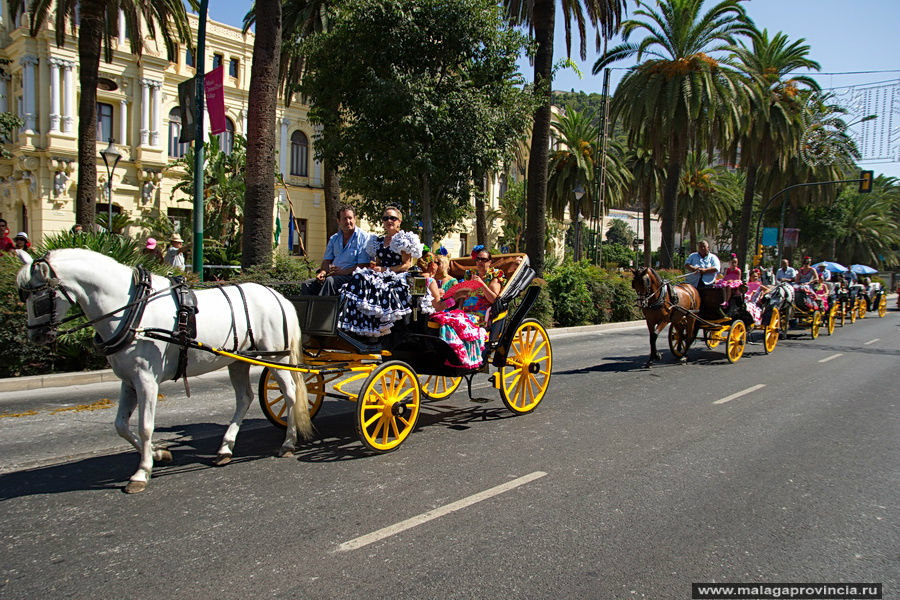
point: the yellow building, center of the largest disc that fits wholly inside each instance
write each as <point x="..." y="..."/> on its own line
<point x="138" y="108"/>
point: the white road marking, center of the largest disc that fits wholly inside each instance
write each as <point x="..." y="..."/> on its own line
<point x="832" y="357"/>
<point x="437" y="512"/>
<point x="871" y="341"/>
<point x="749" y="390"/>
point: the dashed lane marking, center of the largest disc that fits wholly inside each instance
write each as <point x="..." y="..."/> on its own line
<point x="749" y="390"/>
<point x="441" y="511"/>
<point x="832" y="357"/>
<point x="871" y="341"/>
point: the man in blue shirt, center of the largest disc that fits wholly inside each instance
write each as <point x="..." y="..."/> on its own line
<point x="346" y="250"/>
<point x="786" y="273"/>
<point x="702" y="266"/>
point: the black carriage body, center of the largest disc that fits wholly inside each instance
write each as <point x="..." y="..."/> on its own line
<point x="724" y="304"/>
<point x="415" y="339"/>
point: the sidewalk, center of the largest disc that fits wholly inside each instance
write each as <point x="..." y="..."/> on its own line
<point x="36" y="382"/>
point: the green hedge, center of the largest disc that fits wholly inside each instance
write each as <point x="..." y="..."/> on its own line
<point x="582" y="294"/>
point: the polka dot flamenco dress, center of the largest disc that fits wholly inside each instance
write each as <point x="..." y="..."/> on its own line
<point x="377" y="300"/>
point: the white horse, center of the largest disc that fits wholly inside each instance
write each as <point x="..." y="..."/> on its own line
<point x="100" y="285"/>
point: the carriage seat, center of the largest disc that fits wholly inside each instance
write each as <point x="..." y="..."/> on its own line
<point x="516" y="269"/>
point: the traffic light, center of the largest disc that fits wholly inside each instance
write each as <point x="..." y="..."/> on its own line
<point x="865" y="181"/>
<point x="757" y="258"/>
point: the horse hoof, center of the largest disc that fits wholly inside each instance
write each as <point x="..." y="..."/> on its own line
<point x="164" y="456"/>
<point x="222" y="460"/>
<point x="285" y="453"/>
<point x="657" y="356"/>
<point x="135" y="487"/>
<point x="682" y="360"/>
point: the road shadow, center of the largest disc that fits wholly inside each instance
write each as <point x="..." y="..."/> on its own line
<point x="193" y="448"/>
<point x="336" y="437"/>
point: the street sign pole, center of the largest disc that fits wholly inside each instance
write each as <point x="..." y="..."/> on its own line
<point x="198" y="142"/>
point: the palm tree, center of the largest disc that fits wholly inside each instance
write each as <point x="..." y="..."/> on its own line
<point x="648" y="179"/>
<point x="680" y="98"/>
<point x="540" y="17"/>
<point x="576" y="165"/>
<point x="300" y="20"/>
<point x="868" y="231"/>
<point x="773" y="124"/>
<point x="98" y="25"/>
<point x="702" y="207"/>
<point x="259" y="201"/>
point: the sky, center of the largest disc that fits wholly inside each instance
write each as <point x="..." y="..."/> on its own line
<point x="844" y="37"/>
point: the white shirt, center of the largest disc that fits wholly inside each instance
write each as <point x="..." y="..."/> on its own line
<point x="175" y="258"/>
<point x="702" y="262"/>
<point x="789" y="273"/>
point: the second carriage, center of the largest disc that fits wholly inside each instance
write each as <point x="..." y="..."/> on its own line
<point x="389" y="377"/>
<point x="725" y="317"/>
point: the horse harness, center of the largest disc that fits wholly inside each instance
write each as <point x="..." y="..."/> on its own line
<point x="42" y="314"/>
<point x="666" y="291"/>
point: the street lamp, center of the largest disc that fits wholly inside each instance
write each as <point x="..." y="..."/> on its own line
<point x="110" y="155"/>
<point x="579" y="194"/>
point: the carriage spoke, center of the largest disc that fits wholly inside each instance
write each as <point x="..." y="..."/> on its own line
<point x="394" y="428"/>
<point x="369" y="421"/>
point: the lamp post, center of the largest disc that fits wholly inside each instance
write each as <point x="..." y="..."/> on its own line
<point x="579" y="194"/>
<point x="110" y="155"/>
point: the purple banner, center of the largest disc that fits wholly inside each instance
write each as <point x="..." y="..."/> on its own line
<point x="215" y="99"/>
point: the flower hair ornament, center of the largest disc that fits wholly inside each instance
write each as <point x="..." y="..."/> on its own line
<point x="733" y="255"/>
<point x="442" y="251"/>
<point x="477" y="249"/>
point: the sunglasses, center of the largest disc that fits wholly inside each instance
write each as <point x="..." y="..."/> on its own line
<point x="390" y="218"/>
<point x="482" y="258"/>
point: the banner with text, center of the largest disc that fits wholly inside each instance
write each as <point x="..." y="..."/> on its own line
<point x="215" y="99"/>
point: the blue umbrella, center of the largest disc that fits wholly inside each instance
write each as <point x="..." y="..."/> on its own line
<point x="832" y="266"/>
<point x="862" y="269"/>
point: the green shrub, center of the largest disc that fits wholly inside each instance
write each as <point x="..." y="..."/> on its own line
<point x="570" y="289"/>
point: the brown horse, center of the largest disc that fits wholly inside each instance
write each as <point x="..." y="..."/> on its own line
<point x="657" y="299"/>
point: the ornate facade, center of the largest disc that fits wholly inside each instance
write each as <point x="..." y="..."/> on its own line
<point x="138" y="108"/>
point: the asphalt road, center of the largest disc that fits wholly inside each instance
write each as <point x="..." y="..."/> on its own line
<point x="625" y="483"/>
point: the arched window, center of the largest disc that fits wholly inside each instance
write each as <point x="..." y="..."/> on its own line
<point x="299" y="154"/>
<point x="176" y="148"/>
<point x="226" y="138"/>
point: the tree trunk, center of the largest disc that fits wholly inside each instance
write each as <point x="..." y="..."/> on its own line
<point x="544" y="13"/>
<point x="480" y="213"/>
<point x="648" y="247"/>
<point x="332" y="184"/>
<point x="692" y="227"/>
<point x="426" y="211"/>
<point x="90" y="35"/>
<point x="259" y="199"/>
<point x="670" y="206"/>
<point x="743" y="240"/>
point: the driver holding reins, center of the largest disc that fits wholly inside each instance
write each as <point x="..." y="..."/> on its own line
<point x="702" y="266"/>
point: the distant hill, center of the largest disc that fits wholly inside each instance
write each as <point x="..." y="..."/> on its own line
<point x="580" y="101"/>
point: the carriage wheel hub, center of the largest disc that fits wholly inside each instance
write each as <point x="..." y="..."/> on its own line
<point x="398" y="409"/>
<point x="534" y="368"/>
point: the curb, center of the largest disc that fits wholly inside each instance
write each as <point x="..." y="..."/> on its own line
<point x="37" y="382"/>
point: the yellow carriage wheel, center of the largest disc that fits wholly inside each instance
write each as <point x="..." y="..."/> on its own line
<point x="525" y="377"/>
<point x="388" y="406"/>
<point x="815" y="323"/>
<point x="714" y="337"/>
<point x="437" y="387"/>
<point x="770" y="335"/>
<point x="852" y="312"/>
<point x="829" y="323"/>
<point x="861" y="308"/>
<point x="737" y="340"/>
<point x="882" y="306"/>
<point x="842" y="311"/>
<point x="271" y="400"/>
<point x="783" y="325"/>
<point x="679" y="339"/>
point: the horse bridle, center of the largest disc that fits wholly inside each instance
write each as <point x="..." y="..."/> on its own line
<point x="644" y="300"/>
<point x="43" y="304"/>
<point x="42" y="313"/>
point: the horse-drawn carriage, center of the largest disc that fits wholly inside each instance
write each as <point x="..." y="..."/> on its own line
<point x="153" y="329"/>
<point x="725" y="317"/>
<point x="412" y="363"/>
<point x="809" y="309"/>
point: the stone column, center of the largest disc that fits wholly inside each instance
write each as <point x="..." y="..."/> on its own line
<point x="244" y="123"/>
<point x="68" y="99"/>
<point x="123" y="122"/>
<point x="145" y="111"/>
<point x="4" y="92"/>
<point x="155" y="119"/>
<point x="54" y="94"/>
<point x="28" y="92"/>
<point x="284" y="147"/>
<point x="122" y="30"/>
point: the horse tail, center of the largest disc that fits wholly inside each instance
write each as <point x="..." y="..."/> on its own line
<point x="300" y="412"/>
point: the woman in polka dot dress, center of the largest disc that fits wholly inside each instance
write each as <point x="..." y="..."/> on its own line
<point x="379" y="296"/>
